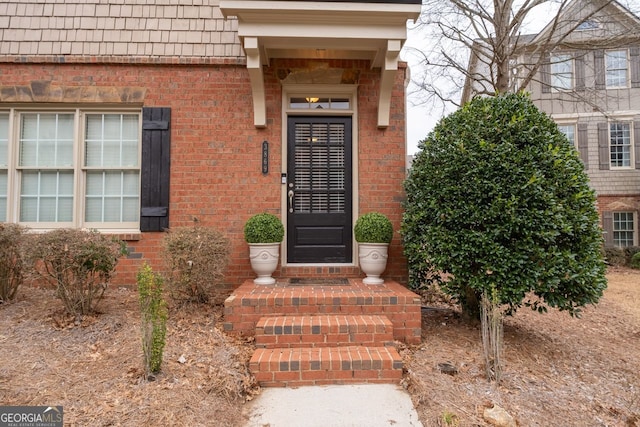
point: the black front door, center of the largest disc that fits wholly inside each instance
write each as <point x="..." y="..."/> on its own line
<point x="319" y="190"/>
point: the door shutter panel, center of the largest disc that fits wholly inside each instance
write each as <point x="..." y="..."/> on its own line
<point x="603" y="146"/>
<point x="636" y="143"/>
<point x="598" y="61"/>
<point x="578" y="63"/>
<point x="607" y="227"/>
<point x="545" y="73"/>
<point x="156" y="162"/>
<point x="583" y="143"/>
<point x="634" y="54"/>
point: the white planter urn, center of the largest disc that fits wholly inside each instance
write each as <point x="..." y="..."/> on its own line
<point x="373" y="261"/>
<point x="264" y="261"/>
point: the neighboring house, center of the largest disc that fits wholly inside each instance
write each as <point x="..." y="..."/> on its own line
<point x="590" y="85"/>
<point x="131" y="117"/>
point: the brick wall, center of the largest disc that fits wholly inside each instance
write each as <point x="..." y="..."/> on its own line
<point x="216" y="150"/>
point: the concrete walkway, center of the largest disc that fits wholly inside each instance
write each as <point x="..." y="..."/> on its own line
<point x="363" y="405"/>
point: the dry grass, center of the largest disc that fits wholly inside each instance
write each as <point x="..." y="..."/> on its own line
<point x="559" y="371"/>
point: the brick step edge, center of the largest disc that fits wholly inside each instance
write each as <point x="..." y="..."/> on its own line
<point x="323" y="331"/>
<point x="282" y="367"/>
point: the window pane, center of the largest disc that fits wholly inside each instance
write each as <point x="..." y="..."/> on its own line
<point x="620" y="147"/>
<point x="46" y="196"/>
<point x="46" y="140"/>
<point x="569" y="131"/>
<point x="111" y="140"/>
<point x="623" y="229"/>
<point x="3" y="196"/>
<point x="561" y="72"/>
<point x="616" y="63"/>
<point x="4" y="140"/>
<point x="112" y="196"/>
<point x="4" y="155"/>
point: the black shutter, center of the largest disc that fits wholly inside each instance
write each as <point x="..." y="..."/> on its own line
<point x="579" y="72"/>
<point x="545" y="73"/>
<point x="598" y="60"/>
<point x="156" y="163"/>
<point x="583" y="143"/>
<point x="634" y="54"/>
<point x="607" y="228"/>
<point x="604" y="154"/>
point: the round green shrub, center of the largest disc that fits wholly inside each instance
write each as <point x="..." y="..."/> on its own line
<point x="263" y="228"/>
<point x="635" y="261"/>
<point x="497" y="198"/>
<point x="373" y="227"/>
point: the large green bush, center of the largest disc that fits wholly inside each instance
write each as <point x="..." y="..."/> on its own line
<point x="77" y="263"/>
<point x="497" y="197"/>
<point x="195" y="259"/>
<point x="11" y="260"/>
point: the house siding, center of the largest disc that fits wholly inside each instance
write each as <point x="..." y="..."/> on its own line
<point x="216" y="162"/>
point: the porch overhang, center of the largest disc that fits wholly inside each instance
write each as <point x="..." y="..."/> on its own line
<point x="372" y="30"/>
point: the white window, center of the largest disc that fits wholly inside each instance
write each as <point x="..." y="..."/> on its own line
<point x="75" y="168"/>
<point x="4" y="163"/>
<point x="620" y="144"/>
<point x="616" y="64"/>
<point x="561" y="72"/>
<point x="623" y="229"/>
<point x="569" y="130"/>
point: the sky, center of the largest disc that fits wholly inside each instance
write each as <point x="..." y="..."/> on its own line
<point x="420" y="120"/>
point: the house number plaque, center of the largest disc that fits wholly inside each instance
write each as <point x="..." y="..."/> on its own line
<point x="265" y="157"/>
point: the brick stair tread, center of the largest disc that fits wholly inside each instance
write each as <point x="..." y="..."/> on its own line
<point x="326" y="358"/>
<point x="323" y="324"/>
<point x="293" y="367"/>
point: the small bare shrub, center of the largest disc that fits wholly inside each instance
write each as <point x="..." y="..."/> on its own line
<point x="154" y="319"/>
<point x="77" y="263"/>
<point x="11" y="260"/>
<point x="195" y="259"/>
<point x="615" y="256"/>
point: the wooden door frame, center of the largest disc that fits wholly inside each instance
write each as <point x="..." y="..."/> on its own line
<point x="304" y="90"/>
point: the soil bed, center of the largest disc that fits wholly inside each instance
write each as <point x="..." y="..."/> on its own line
<point x="559" y="371"/>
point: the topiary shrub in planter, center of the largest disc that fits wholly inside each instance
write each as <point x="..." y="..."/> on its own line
<point x="263" y="228"/>
<point x="373" y="232"/>
<point x="264" y="232"/>
<point x="373" y="227"/>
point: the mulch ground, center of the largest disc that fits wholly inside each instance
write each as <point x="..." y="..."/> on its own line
<point x="559" y="371"/>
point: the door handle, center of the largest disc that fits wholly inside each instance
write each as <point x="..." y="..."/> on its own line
<point x="290" y="194"/>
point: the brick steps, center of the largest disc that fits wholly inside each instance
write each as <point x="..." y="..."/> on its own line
<point x="292" y="367"/>
<point x="323" y="331"/>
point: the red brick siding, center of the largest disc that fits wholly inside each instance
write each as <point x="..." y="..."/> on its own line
<point x="216" y="150"/>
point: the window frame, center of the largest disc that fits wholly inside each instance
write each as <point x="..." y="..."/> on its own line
<point x="633" y="231"/>
<point x="630" y="144"/>
<point x="80" y="170"/>
<point x="574" y="126"/>
<point x="608" y="69"/>
<point x="4" y="168"/>
<point x="556" y="76"/>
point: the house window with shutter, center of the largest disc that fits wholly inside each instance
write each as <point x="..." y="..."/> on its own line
<point x="561" y="72"/>
<point x="616" y="68"/>
<point x="620" y="144"/>
<point x="71" y="168"/>
<point x="623" y="229"/>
